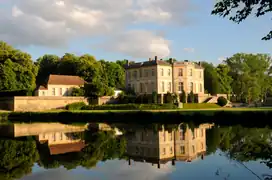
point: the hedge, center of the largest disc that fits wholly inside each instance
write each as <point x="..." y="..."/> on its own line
<point x="75" y="106"/>
<point x="200" y="106"/>
<point x="129" y="107"/>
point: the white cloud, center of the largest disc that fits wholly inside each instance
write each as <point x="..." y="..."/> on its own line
<point x="111" y="170"/>
<point x="54" y="23"/>
<point x="138" y="44"/>
<point x="189" y="50"/>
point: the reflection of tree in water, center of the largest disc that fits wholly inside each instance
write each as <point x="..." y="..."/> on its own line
<point x="17" y="157"/>
<point x="242" y="144"/>
<point x="100" y="146"/>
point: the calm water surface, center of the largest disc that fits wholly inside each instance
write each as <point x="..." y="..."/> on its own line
<point x="54" y="151"/>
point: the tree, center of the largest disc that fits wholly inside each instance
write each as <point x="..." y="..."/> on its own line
<point x="211" y="80"/>
<point x="154" y="97"/>
<point x="249" y="73"/>
<point x="77" y="92"/>
<point x="17" y="158"/>
<point x="17" y="70"/>
<point x="183" y="97"/>
<point x="191" y="97"/>
<point x="47" y="64"/>
<point x="225" y="7"/>
<point x="224" y="79"/>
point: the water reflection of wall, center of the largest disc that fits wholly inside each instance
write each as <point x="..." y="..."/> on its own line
<point x="159" y="147"/>
<point x="61" y="138"/>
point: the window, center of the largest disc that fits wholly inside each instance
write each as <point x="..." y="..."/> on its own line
<point x="162" y="86"/>
<point x="169" y="72"/>
<point x="146" y="73"/>
<point x="202" y="145"/>
<point x="135" y="74"/>
<point x="191" y="86"/>
<point x="200" y="74"/>
<point x="141" y="87"/>
<point x="181" y="135"/>
<point x="180" y="72"/>
<point x="171" y="150"/>
<point x="61" y="136"/>
<point x="142" y="136"/>
<point x="53" y="91"/>
<point x="43" y="93"/>
<point x="146" y="87"/>
<point x="44" y="136"/>
<point x="129" y="75"/>
<point x="191" y="72"/>
<point x="129" y="86"/>
<point x="169" y="86"/>
<point x="182" y="150"/>
<point x="163" y="151"/>
<point x="153" y="72"/>
<point x="54" y="136"/>
<point x="170" y="136"/>
<point x="60" y="91"/>
<point x="193" y="148"/>
<point x="180" y="86"/>
<point x="200" y="87"/>
<point x="162" y="72"/>
<point x="141" y="72"/>
<point x="67" y="91"/>
<point x="133" y="87"/>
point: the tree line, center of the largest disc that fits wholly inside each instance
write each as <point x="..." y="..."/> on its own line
<point x="247" y="76"/>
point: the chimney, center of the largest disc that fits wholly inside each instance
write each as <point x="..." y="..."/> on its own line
<point x="149" y="59"/>
<point x="156" y="58"/>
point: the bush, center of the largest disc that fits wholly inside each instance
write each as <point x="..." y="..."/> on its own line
<point x="155" y="97"/>
<point x="183" y="97"/>
<point x="221" y="101"/>
<point x="75" y="106"/>
<point x="191" y="97"/>
<point x="77" y="92"/>
<point x="129" y="107"/>
<point x="168" y="98"/>
<point x="200" y="106"/>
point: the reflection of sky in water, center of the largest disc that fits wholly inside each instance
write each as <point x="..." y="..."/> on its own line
<point x="119" y="170"/>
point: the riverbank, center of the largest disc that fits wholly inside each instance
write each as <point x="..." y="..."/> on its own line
<point x="260" y="117"/>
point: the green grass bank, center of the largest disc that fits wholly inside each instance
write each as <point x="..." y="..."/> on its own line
<point x="250" y="117"/>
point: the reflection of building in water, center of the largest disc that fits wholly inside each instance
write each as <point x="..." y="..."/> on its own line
<point x="60" y="138"/>
<point x="160" y="147"/>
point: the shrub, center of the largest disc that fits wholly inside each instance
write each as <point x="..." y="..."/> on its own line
<point x="129" y="107"/>
<point x="168" y="98"/>
<point x="77" y="92"/>
<point x="221" y="101"/>
<point x="191" y="97"/>
<point x="200" y="105"/>
<point x="155" y="97"/>
<point x="183" y="97"/>
<point x="75" y="106"/>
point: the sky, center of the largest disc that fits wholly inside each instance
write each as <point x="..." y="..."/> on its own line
<point x="129" y="29"/>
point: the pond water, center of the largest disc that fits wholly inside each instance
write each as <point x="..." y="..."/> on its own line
<point x="55" y="151"/>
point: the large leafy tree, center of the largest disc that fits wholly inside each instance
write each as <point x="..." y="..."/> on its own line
<point x="243" y="9"/>
<point x="17" y="70"/>
<point x="17" y="158"/>
<point x="249" y="73"/>
<point x="211" y="80"/>
<point x="224" y="78"/>
<point x="101" y="76"/>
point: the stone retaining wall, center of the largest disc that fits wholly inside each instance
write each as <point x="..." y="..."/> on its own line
<point x="37" y="103"/>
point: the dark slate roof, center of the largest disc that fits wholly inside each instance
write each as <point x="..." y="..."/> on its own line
<point x="147" y="63"/>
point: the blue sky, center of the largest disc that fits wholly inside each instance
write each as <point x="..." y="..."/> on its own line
<point x="190" y="32"/>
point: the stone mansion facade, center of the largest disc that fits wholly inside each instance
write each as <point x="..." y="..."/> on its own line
<point x="162" y="77"/>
